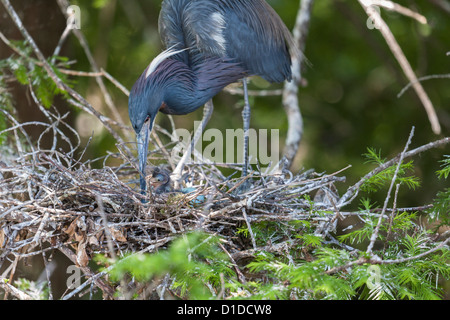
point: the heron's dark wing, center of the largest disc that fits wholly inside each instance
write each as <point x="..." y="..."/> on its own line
<point x="190" y="24"/>
<point x="257" y="36"/>
<point x="247" y="31"/>
<point x="170" y="25"/>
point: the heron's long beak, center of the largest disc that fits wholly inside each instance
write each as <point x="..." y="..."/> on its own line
<point x="142" y="142"/>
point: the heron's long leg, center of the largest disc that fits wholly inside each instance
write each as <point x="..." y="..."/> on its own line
<point x="207" y="112"/>
<point x="246" y="118"/>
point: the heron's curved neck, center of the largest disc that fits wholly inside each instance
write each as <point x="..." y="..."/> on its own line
<point x="183" y="98"/>
<point x="190" y="88"/>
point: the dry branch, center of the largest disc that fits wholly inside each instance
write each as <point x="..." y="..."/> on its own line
<point x="290" y="92"/>
<point x="369" y="7"/>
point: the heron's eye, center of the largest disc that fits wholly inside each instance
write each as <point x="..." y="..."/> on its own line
<point x="147" y="119"/>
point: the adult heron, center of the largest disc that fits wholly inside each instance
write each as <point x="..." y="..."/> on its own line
<point x="209" y="45"/>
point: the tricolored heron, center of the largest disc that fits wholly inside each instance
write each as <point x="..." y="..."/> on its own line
<point x="209" y="45"/>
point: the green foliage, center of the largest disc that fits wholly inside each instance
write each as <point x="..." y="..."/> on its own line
<point x="35" y="290"/>
<point x="28" y="71"/>
<point x="383" y="178"/>
<point x="310" y="269"/>
<point x="99" y="3"/>
<point x="440" y="211"/>
<point x="310" y="240"/>
<point x="415" y="279"/>
<point x="441" y="207"/>
<point x="192" y="260"/>
<point x="374" y="156"/>
<point x="445" y="171"/>
<point x="329" y="272"/>
<point x="306" y="280"/>
<point x="403" y="221"/>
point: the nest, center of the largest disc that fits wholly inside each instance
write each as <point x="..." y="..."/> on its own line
<point x="50" y="199"/>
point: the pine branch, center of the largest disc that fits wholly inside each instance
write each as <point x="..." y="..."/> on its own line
<point x="353" y="191"/>
<point x="394" y="178"/>
<point x="377" y="260"/>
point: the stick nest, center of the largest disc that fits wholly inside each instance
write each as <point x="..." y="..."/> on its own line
<point x="50" y="196"/>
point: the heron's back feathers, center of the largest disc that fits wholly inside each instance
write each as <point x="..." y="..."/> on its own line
<point x="248" y="32"/>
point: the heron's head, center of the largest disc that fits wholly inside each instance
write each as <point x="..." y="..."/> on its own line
<point x="146" y="99"/>
<point x="144" y="103"/>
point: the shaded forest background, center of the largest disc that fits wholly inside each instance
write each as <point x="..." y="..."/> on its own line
<point x="349" y="98"/>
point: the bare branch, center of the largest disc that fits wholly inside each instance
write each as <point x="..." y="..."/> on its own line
<point x="290" y="98"/>
<point x="397" y="51"/>
<point x="390" y="5"/>
<point x="64" y="4"/>
<point x="59" y="83"/>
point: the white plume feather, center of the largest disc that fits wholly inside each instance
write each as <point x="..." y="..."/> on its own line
<point x="160" y="58"/>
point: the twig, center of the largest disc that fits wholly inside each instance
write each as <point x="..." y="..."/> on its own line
<point x="352" y="192"/>
<point x="236" y="267"/>
<point x="101" y="73"/>
<point x="373" y="14"/>
<point x="13" y="290"/>
<point x="442" y="4"/>
<point x="364" y="260"/>
<point x="392" y="215"/>
<point x="59" y="83"/>
<point x="64" y="4"/>
<point x="48" y="270"/>
<point x="11" y="268"/>
<point x="254" y="93"/>
<point x="84" y="284"/>
<point x="434" y="76"/>
<point x="290" y="92"/>
<point x="53" y="195"/>
<point x="107" y="290"/>
<point x="115" y="82"/>
<point x="386" y="201"/>
<point x="250" y="231"/>
<point x="390" y="5"/>
<point x="207" y="112"/>
<point x="101" y="209"/>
